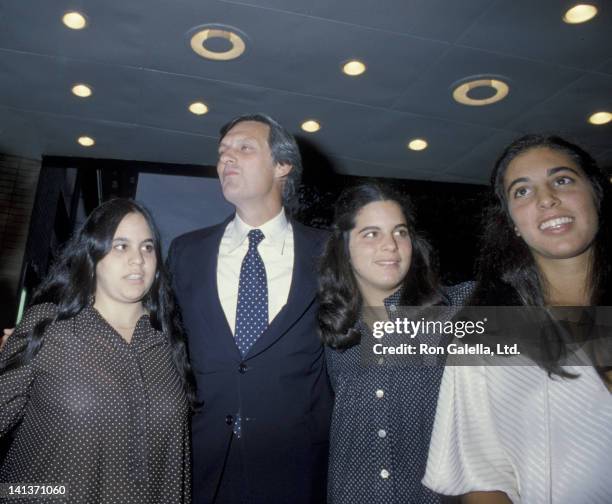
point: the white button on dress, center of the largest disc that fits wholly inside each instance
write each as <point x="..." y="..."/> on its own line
<point x="401" y="400"/>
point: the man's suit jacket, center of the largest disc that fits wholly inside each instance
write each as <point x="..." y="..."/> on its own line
<point x="280" y="387"/>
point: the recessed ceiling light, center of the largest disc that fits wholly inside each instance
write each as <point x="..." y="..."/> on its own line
<point x="81" y="90"/>
<point x="353" y="68"/>
<point x="599" y="118"/>
<point x="417" y="144"/>
<point x="218" y="35"/>
<point x="86" y="141"/>
<point x="311" y="126"/>
<point x="580" y="13"/>
<point x="74" y="20"/>
<point x="499" y="88"/>
<point x="198" y="108"/>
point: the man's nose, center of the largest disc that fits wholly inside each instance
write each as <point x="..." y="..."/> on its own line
<point x="227" y="157"/>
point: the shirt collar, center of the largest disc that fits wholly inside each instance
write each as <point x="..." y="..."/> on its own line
<point x="274" y="230"/>
<point x="391" y="306"/>
<point x="393" y="299"/>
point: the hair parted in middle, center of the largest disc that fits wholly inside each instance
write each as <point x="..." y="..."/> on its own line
<point x="340" y="300"/>
<point x="505" y="258"/>
<point x="284" y="150"/>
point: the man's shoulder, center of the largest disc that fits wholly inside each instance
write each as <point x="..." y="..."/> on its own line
<point x="198" y="235"/>
<point x="309" y="240"/>
<point x="310" y="233"/>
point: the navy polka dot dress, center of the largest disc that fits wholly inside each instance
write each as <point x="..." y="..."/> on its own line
<point x="106" y="419"/>
<point x="381" y="426"/>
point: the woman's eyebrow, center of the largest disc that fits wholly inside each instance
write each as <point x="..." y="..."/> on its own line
<point x="369" y="228"/>
<point x="517" y="181"/>
<point x="557" y="169"/>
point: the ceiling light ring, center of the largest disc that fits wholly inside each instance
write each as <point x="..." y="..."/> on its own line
<point x="200" y="34"/>
<point x="461" y="88"/>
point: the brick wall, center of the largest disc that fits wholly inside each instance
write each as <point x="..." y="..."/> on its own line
<point x="18" y="180"/>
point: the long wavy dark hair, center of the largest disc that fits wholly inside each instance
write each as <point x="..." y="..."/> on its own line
<point x="71" y="285"/>
<point x="507" y="273"/>
<point x="340" y="300"/>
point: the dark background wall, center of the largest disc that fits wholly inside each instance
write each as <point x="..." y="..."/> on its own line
<point x="18" y="179"/>
<point x="448" y="215"/>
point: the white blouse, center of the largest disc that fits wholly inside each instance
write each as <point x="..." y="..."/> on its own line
<point x="514" y="429"/>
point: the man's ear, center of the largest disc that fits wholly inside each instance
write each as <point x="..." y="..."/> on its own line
<point x="282" y="170"/>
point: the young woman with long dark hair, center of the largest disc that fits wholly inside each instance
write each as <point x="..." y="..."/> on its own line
<point x="539" y="433"/>
<point x="383" y="414"/>
<point x="95" y="384"/>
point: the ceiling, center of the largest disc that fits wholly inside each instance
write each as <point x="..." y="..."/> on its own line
<point x="136" y="56"/>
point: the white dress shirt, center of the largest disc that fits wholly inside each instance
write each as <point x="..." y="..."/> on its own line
<point x="276" y="251"/>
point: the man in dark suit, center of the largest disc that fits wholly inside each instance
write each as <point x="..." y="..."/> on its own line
<point x="246" y="288"/>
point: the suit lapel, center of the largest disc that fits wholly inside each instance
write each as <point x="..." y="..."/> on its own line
<point x="208" y="299"/>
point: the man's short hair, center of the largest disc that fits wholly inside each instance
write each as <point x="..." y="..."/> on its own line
<point x="284" y="151"/>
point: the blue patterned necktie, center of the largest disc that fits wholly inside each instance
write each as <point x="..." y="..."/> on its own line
<point x="252" y="309"/>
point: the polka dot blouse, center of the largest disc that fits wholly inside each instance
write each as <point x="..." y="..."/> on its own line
<point x="381" y="425"/>
<point x="104" y="418"/>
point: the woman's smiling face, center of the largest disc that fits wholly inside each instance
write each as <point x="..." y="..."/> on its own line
<point x="380" y="250"/>
<point x="551" y="203"/>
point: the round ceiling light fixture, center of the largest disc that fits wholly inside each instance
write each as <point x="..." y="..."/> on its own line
<point x="353" y="68"/>
<point x="198" y="108"/>
<point x="580" y="13"/>
<point x="218" y="42"/>
<point x="86" y="141"/>
<point x="74" y="20"/>
<point x="418" y="144"/>
<point x="495" y="90"/>
<point x="599" y="118"/>
<point x="311" y="126"/>
<point x="81" y="90"/>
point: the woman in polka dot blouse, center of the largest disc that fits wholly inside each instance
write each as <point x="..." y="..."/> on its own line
<point x="383" y="415"/>
<point x="95" y="385"/>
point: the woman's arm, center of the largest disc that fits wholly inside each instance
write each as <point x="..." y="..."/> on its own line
<point x="5" y="336"/>
<point x="485" y="498"/>
<point x="15" y="380"/>
<point x="465" y="434"/>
